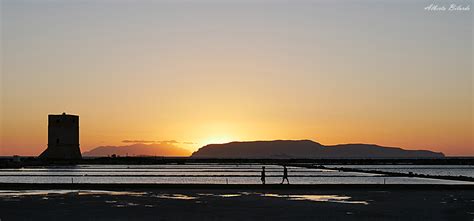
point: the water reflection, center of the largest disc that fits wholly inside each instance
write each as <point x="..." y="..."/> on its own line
<point x="46" y="194"/>
<point x="17" y="193"/>
<point x="200" y="174"/>
<point x="175" y="196"/>
<point x="229" y="195"/>
<point x="317" y="198"/>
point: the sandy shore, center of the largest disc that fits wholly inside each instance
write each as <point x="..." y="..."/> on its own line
<point x="244" y="202"/>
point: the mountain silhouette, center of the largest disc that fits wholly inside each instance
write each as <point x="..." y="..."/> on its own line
<point x="306" y="149"/>
<point x="139" y="149"/>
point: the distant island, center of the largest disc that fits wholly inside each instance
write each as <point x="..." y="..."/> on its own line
<point x="139" y="149"/>
<point x="306" y="149"/>
<point x="277" y="149"/>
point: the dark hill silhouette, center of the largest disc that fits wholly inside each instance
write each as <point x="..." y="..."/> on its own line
<point x="306" y="149"/>
<point x="139" y="150"/>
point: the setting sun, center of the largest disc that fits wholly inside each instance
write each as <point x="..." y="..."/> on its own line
<point x="217" y="140"/>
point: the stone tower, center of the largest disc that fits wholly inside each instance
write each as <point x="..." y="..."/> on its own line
<point x="63" y="137"/>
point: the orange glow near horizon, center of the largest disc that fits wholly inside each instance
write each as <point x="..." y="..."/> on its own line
<point x="220" y="71"/>
<point x="217" y="140"/>
<point x="33" y="144"/>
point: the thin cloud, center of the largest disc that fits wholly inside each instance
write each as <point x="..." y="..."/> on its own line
<point x="169" y="141"/>
<point x="138" y="141"/>
<point x="157" y="141"/>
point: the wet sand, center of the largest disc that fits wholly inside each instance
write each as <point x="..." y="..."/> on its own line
<point x="239" y="202"/>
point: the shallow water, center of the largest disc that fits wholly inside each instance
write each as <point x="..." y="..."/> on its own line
<point x="200" y="173"/>
<point x="318" y="198"/>
<point x="17" y="193"/>
<point x="437" y="170"/>
<point x="174" y="196"/>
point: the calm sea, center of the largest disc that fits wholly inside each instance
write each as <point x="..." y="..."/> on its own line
<point x="223" y="174"/>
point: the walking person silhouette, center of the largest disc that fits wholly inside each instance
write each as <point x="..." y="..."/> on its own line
<point x="285" y="175"/>
<point x="263" y="175"/>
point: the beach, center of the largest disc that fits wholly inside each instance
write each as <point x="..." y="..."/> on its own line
<point x="236" y="202"/>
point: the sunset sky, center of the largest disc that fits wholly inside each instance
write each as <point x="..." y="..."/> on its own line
<point x="212" y="71"/>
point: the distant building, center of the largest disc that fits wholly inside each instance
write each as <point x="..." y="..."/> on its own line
<point x="63" y="137"/>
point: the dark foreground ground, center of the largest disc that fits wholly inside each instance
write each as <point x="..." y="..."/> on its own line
<point x="238" y="202"/>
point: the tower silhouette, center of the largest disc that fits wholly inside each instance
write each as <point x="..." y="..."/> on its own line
<point x="63" y="137"/>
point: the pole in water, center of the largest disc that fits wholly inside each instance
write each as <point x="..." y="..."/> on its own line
<point x="72" y="180"/>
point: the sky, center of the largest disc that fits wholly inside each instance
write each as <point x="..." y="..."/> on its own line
<point x="211" y="71"/>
